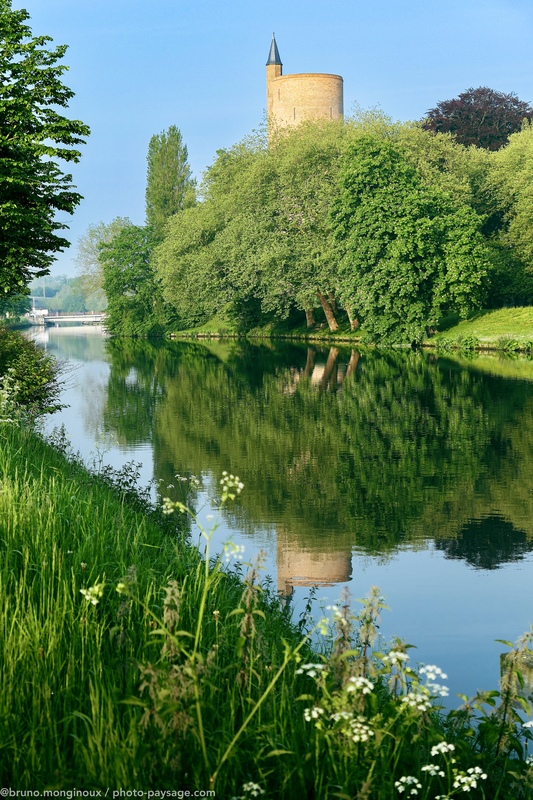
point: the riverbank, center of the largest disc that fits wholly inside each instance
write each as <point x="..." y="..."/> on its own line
<point x="501" y="330"/>
<point x="130" y="662"/>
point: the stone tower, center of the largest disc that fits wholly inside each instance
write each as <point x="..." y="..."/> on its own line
<point x="291" y="99"/>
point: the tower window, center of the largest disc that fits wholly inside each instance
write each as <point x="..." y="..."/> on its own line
<point x="294" y="113"/>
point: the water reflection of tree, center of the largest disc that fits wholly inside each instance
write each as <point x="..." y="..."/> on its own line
<point x="341" y="448"/>
<point x="487" y="543"/>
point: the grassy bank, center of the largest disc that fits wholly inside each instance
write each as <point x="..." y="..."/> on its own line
<point x="504" y="330"/>
<point x="127" y="661"/>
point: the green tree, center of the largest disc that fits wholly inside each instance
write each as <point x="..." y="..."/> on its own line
<point x="135" y="306"/>
<point x="170" y="186"/>
<point x="34" y="139"/>
<point x="87" y="258"/>
<point x="510" y="184"/>
<point x="409" y="251"/>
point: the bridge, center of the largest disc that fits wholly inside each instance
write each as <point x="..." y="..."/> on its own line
<point x="43" y="317"/>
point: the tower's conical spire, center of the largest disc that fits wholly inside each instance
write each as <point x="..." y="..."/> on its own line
<point x="273" y="56"/>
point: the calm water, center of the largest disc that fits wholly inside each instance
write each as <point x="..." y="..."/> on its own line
<point x="390" y="468"/>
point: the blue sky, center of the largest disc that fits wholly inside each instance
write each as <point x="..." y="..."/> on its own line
<point x="138" y="66"/>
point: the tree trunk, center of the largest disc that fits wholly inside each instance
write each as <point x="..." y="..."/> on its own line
<point x="354" y="323"/>
<point x="310" y="363"/>
<point x="330" y="316"/>
<point x="330" y="370"/>
<point x="352" y="365"/>
<point x="310" y="317"/>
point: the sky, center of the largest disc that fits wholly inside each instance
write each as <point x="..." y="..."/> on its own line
<point x="139" y="66"/>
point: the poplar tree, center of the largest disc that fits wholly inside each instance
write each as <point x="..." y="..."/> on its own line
<point x="35" y="138"/>
<point x="170" y="186"/>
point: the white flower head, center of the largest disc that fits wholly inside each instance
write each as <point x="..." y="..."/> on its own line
<point x="417" y="699"/>
<point x="93" y="593"/>
<point x="433" y="770"/>
<point x="359" y="684"/>
<point x="408" y="784"/>
<point x="442" y="747"/>
<point x="432" y="672"/>
<point x="467" y="781"/>
<point x="313" y="713"/>
<point x="360" y="730"/>
<point x="252" y="789"/>
<point x="232" y="550"/>
<point x="310" y="669"/>
<point x="395" y="657"/>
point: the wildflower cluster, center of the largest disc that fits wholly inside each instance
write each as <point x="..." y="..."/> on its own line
<point x="408" y="784"/>
<point x="359" y="684"/>
<point x="312" y="670"/>
<point x="359" y="729"/>
<point x="395" y="658"/>
<point x="250" y="789"/>
<point x="313" y="713"/>
<point x="93" y="593"/>
<point x="232" y="550"/>
<point x="432" y="672"/>
<point x="231" y="486"/>
<point x="468" y="780"/>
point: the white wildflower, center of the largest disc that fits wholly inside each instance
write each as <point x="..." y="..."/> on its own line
<point x="438" y="689"/>
<point x="395" y="657"/>
<point x="442" y="747"/>
<point x="419" y="700"/>
<point x="360" y="684"/>
<point x="232" y="550"/>
<point x="432" y="672"/>
<point x="408" y="784"/>
<point x="312" y="713"/>
<point x="359" y="730"/>
<point x="310" y="669"/>
<point x="467" y="781"/>
<point x="528" y="724"/>
<point x="93" y="593"/>
<point x="252" y="789"/>
<point x="338" y="715"/>
<point x="433" y="770"/>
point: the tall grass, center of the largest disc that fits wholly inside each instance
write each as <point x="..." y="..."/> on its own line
<point x="129" y="661"/>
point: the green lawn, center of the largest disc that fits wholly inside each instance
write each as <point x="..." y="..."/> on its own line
<point x="490" y="326"/>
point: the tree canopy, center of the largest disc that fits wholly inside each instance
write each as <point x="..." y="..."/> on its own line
<point x="170" y="186"/>
<point x="135" y="305"/>
<point x="409" y="251"/>
<point x="34" y="139"/>
<point x="482" y="117"/>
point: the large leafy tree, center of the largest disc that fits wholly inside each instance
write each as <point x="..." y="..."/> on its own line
<point x="411" y="251"/>
<point x="170" y="186"/>
<point x="482" y="117"/>
<point x="135" y="306"/>
<point x="35" y="138"/>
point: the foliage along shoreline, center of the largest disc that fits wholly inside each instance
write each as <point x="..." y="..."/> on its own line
<point x="508" y="330"/>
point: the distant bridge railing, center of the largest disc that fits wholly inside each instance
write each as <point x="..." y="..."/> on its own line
<point x="44" y="317"/>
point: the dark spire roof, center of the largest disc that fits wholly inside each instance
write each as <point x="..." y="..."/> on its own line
<point x="273" y="56"/>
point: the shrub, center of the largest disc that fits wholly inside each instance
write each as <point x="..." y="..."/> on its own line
<point x="34" y="373"/>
